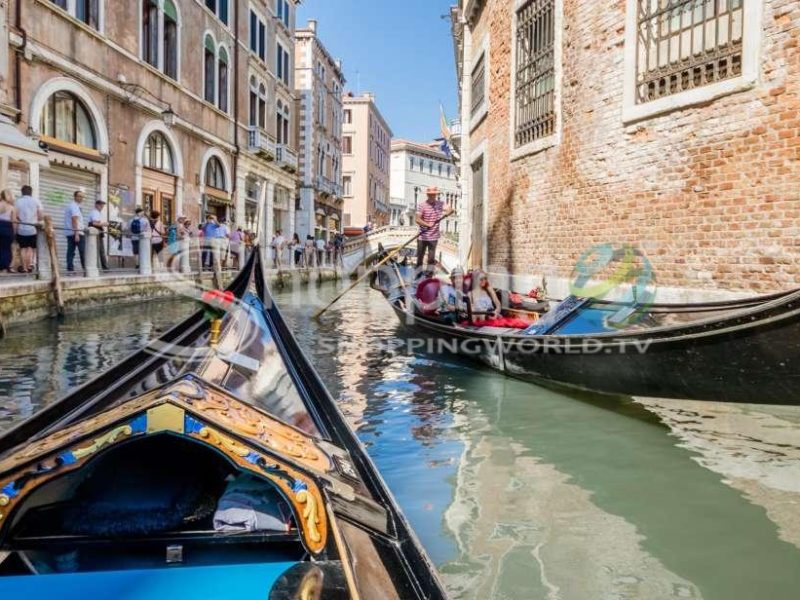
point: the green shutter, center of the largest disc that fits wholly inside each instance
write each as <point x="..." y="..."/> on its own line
<point x="170" y="10"/>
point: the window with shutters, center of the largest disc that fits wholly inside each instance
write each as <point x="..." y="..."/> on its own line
<point x="478" y="88"/>
<point x="210" y="71"/>
<point x="222" y="79"/>
<point x="160" y="42"/>
<point x="170" y="40"/>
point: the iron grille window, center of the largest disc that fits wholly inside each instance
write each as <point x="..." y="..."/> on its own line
<point x="686" y="44"/>
<point x="479" y="85"/>
<point x="536" y="74"/>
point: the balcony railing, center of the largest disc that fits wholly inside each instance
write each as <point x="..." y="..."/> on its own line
<point x="326" y="186"/>
<point x="260" y="143"/>
<point x="287" y="159"/>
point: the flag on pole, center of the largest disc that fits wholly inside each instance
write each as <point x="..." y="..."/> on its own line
<point x="445" y="124"/>
<point x="445" y="147"/>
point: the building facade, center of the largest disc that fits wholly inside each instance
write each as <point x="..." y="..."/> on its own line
<point x="366" y="147"/>
<point x="320" y="84"/>
<point x="414" y="168"/>
<point x="671" y="128"/>
<point x="151" y="104"/>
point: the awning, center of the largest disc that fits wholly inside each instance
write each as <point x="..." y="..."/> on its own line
<point x="218" y="199"/>
<point x="17" y="146"/>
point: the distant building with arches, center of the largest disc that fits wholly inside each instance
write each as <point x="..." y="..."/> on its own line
<point x="149" y="105"/>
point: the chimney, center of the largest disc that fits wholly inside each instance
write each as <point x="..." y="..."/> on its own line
<point x="312" y="25"/>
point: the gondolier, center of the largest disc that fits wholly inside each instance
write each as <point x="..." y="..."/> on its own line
<point x="429" y="215"/>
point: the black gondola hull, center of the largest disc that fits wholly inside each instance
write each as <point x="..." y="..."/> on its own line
<point x="750" y="357"/>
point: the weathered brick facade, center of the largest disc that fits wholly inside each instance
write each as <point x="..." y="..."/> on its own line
<point x="709" y="192"/>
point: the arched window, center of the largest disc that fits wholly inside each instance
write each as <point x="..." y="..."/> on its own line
<point x="215" y="174"/>
<point x="262" y="106"/>
<point x="222" y="77"/>
<point x="170" y="39"/>
<point x="65" y="118"/>
<point x="253" y="102"/>
<point x="210" y="59"/>
<point x="158" y="153"/>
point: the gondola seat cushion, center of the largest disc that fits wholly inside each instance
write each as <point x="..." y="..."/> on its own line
<point x="502" y="322"/>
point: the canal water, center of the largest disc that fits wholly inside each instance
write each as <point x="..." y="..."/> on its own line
<point x="517" y="492"/>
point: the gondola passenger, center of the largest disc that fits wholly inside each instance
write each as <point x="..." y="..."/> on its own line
<point x="485" y="303"/>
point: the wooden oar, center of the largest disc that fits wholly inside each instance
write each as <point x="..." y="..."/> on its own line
<point x="369" y="272"/>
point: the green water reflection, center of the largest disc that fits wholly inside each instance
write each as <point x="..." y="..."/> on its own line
<point x="553" y="496"/>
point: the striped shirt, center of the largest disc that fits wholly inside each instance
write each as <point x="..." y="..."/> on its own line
<point x="431" y="213"/>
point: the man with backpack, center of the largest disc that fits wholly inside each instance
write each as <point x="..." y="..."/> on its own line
<point x="139" y="225"/>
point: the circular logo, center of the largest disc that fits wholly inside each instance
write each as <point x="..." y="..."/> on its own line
<point x="618" y="273"/>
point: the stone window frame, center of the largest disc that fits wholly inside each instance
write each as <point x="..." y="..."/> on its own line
<point x="261" y="24"/>
<point x="72" y="10"/>
<point x="482" y="111"/>
<point x="752" y="37"/>
<point x="554" y="139"/>
<point x="160" y="65"/>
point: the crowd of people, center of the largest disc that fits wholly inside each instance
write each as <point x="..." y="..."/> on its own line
<point x="18" y="220"/>
<point x="18" y="229"/>
<point x="308" y="253"/>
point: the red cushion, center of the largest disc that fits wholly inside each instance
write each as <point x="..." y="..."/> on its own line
<point x="508" y="322"/>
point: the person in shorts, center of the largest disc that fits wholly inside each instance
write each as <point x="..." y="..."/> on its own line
<point x="29" y="213"/>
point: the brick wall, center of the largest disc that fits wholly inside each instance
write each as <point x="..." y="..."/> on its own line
<point x="710" y="193"/>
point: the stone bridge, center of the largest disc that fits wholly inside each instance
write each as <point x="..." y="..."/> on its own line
<point x="364" y="249"/>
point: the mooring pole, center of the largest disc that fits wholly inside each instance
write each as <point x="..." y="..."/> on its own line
<point x="58" y="295"/>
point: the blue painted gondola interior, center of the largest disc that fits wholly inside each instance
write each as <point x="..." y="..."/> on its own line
<point x="583" y="316"/>
<point x="175" y="583"/>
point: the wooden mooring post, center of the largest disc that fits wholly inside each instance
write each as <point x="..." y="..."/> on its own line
<point x="58" y="296"/>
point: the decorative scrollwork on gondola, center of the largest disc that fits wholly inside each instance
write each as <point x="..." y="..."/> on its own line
<point x="310" y="513"/>
<point x="300" y="490"/>
<point x="111" y="437"/>
<point x="225" y="443"/>
<point x="249" y="422"/>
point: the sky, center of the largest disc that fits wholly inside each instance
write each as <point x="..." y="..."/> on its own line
<point x="403" y="56"/>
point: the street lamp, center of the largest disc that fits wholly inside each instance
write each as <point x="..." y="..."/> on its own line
<point x="137" y="91"/>
<point x="169" y="116"/>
